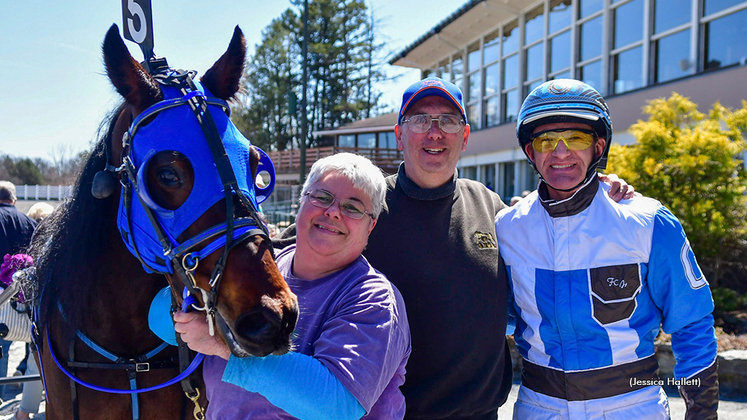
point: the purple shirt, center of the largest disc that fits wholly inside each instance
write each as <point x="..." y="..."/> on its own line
<point x="352" y="321"/>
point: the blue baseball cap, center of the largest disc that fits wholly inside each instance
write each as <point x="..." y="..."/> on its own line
<point x="431" y="86"/>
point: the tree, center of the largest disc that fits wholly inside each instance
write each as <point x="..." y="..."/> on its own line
<point x="343" y="65"/>
<point x="270" y="77"/>
<point x="25" y="172"/>
<point x="694" y="164"/>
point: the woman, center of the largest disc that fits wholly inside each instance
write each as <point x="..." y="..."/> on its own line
<point x="352" y="339"/>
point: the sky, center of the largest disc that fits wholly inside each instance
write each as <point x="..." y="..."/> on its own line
<point x="54" y="92"/>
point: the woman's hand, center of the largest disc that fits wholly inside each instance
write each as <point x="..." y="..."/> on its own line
<point x="194" y="331"/>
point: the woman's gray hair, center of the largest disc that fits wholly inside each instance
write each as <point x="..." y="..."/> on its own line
<point x="359" y="170"/>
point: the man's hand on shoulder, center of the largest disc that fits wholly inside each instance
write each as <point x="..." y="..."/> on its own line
<point x="619" y="189"/>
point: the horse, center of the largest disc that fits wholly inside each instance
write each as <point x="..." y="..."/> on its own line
<point x="185" y="217"/>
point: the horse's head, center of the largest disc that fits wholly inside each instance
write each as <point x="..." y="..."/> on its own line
<point x="189" y="199"/>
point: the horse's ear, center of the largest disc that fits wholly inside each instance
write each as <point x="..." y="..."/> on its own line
<point x="130" y="79"/>
<point x="222" y="80"/>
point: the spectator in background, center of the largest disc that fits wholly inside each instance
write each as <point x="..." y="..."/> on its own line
<point x="39" y="211"/>
<point x="515" y="199"/>
<point x="32" y="391"/>
<point x="15" y="234"/>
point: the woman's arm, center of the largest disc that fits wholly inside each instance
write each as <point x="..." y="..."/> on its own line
<point x="296" y="383"/>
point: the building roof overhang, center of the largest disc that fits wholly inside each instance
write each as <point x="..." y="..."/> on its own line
<point x="471" y="20"/>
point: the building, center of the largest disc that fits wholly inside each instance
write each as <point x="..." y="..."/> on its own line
<point x="632" y="51"/>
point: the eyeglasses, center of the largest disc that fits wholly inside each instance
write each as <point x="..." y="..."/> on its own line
<point x="323" y="199"/>
<point x="547" y="141"/>
<point x="421" y="123"/>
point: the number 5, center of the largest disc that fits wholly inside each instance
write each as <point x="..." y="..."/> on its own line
<point x="136" y="10"/>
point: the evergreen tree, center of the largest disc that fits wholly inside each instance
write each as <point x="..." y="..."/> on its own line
<point x="342" y="65"/>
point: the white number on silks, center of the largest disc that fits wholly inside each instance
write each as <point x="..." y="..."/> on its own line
<point x="694" y="276"/>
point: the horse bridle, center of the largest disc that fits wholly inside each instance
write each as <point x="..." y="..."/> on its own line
<point x="184" y="257"/>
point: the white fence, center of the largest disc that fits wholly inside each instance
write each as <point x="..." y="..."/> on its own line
<point x="43" y="192"/>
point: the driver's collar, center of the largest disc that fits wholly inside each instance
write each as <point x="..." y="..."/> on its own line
<point x="575" y="204"/>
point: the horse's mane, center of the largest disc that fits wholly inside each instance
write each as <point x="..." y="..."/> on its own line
<point x="75" y="234"/>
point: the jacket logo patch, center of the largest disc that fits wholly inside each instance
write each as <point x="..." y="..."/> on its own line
<point x="485" y="240"/>
<point x="613" y="292"/>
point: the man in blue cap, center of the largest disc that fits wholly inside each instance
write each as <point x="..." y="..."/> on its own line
<point x="437" y="244"/>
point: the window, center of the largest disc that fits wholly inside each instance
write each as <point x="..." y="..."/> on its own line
<point x="444" y="70"/>
<point x="367" y="140"/>
<point x="491" y="109"/>
<point x="508" y="180"/>
<point x="346" y="141"/>
<point x="491" y="80"/>
<point x="560" y="15"/>
<point x="457" y="68"/>
<point x="724" y="40"/>
<point x="628" y="23"/>
<point x="560" y="52"/>
<point x="669" y="14"/>
<point x="511" y="71"/>
<point x="473" y="57"/>
<point x="535" y="62"/>
<point x="473" y="87"/>
<point x="563" y="75"/>
<point x="510" y="38"/>
<point x="473" y="116"/>
<point x="510" y="105"/>
<point x="469" y="172"/>
<point x="387" y="140"/>
<point x="628" y="69"/>
<point x="534" y="26"/>
<point x="672" y="57"/>
<point x="588" y="7"/>
<point x="488" y="176"/>
<point x="591" y="74"/>
<point x="713" y="6"/>
<point x="491" y="49"/>
<point x="591" y="33"/>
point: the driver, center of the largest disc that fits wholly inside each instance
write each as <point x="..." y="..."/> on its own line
<point x="592" y="280"/>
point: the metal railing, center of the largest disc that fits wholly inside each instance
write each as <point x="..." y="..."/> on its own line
<point x="44" y="192"/>
<point x="289" y="161"/>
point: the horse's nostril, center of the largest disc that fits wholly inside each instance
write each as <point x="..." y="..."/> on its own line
<point x="252" y="324"/>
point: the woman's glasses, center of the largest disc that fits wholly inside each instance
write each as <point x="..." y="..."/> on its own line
<point x="351" y="208"/>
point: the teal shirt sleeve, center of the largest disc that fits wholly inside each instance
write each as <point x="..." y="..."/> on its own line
<point x="159" y="317"/>
<point x="297" y="383"/>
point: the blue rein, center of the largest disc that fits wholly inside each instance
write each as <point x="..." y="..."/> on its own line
<point x="195" y="362"/>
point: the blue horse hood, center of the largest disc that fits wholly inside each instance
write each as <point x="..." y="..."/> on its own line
<point x="177" y="129"/>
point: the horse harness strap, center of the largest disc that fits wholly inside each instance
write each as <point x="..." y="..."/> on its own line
<point x="132" y="366"/>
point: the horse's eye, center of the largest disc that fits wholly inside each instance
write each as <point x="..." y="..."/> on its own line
<point x="168" y="177"/>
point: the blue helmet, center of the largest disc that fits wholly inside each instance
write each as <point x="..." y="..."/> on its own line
<point x="565" y="100"/>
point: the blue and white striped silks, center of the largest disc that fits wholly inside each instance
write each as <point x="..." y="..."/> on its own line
<point x="590" y="290"/>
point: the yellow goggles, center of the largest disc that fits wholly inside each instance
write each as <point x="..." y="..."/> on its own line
<point x="547" y="141"/>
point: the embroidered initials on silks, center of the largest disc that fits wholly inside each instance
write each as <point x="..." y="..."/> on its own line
<point x="485" y="240"/>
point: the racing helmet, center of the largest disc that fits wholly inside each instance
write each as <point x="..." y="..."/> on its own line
<point x="565" y="100"/>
